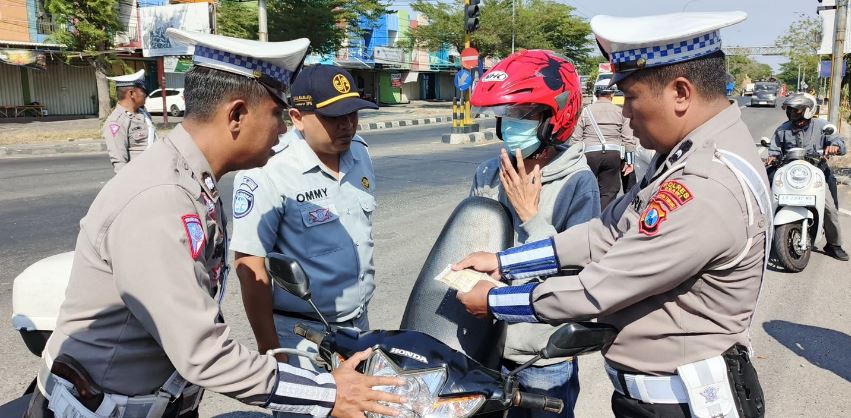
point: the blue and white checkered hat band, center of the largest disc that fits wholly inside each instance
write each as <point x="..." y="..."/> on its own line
<point x="239" y="64"/>
<point x="654" y="56"/>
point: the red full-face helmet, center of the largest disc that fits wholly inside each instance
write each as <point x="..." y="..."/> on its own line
<point x="531" y="82"/>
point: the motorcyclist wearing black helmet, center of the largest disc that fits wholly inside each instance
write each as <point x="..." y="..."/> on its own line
<point x="802" y="130"/>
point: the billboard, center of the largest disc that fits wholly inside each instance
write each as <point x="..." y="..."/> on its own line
<point x="155" y="20"/>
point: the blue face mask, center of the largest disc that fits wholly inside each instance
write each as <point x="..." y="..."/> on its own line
<point x="520" y="134"/>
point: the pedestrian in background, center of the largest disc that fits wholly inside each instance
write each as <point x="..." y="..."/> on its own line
<point x="129" y="129"/>
<point x="609" y="145"/>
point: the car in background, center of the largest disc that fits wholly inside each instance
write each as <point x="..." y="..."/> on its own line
<point x="765" y="94"/>
<point x="173" y="102"/>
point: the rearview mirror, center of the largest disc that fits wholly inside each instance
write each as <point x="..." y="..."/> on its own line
<point x="829" y="129"/>
<point x="765" y="142"/>
<point x="577" y="338"/>
<point x="287" y="274"/>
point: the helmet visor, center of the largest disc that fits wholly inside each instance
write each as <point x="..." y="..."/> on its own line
<point x="515" y="111"/>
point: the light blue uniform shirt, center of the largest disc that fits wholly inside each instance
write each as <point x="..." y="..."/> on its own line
<point x="294" y="205"/>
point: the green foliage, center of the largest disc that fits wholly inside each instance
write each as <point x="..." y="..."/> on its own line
<point x="237" y="19"/>
<point x="745" y="69"/>
<point x="537" y="24"/>
<point x="325" y="22"/>
<point x="802" y="39"/>
<point x="94" y="23"/>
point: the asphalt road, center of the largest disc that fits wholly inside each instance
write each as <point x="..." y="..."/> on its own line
<point x="801" y="330"/>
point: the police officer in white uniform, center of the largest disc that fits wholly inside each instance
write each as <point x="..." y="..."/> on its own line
<point x="677" y="264"/>
<point x="129" y="129"/>
<point x="140" y="332"/>
<point x="314" y="201"/>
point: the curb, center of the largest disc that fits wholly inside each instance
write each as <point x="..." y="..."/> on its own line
<point x="77" y="146"/>
<point x="369" y="126"/>
<point x="96" y="145"/>
<point x="487" y="135"/>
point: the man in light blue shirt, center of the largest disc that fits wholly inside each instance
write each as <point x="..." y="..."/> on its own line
<point x="314" y="201"/>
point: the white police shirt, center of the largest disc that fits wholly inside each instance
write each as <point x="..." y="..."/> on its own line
<point x="294" y="205"/>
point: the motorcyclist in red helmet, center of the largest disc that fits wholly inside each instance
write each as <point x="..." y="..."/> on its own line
<point x="548" y="187"/>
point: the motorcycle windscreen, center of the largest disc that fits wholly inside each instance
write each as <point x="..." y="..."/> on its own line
<point x="476" y="224"/>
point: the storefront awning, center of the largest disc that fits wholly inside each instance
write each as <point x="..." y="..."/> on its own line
<point x="411" y="77"/>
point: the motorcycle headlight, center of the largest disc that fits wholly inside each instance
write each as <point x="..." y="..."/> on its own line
<point x="421" y="389"/>
<point x="799" y="176"/>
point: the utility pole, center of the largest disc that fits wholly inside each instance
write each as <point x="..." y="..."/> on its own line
<point x="836" y="60"/>
<point x="261" y="21"/>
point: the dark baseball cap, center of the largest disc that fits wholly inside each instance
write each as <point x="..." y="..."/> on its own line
<point x="327" y="90"/>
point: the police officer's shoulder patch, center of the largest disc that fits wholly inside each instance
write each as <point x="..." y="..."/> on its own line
<point x="114" y="128"/>
<point x="365" y="183"/>
<point x="243" y="202"/>
<point x="671" y="196"/>
<point x="195" y="234"/>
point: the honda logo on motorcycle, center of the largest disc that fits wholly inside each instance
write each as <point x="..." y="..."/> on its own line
<point x="408" y="354"/>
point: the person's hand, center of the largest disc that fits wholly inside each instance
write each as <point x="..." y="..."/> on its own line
<point x="831" y="150"/>
<point x="769" y="161"/>
<point x="476" y="300"/>
<point x="628" y="169"/>
<point x="522" y="190"/>
<point x="355" y="395"/>
<point x="479" y="261"/>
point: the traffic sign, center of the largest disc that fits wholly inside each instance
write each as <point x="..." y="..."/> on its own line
<point x="463" y="80"/>
<point x="470" y="58"/>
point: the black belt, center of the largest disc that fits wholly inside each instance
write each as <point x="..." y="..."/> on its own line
<point x="297" y="315"/>
<point x="306" y="317"/>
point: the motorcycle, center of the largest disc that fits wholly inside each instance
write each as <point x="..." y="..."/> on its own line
<point x="798" y="189"/>
<point x="439" y="381"/>
<point x="447" y="357"/>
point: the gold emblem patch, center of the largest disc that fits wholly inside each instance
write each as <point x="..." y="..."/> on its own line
<point x="341" y="84"/>
<point x="257" y="74"/>
<point x="365" y="183"/>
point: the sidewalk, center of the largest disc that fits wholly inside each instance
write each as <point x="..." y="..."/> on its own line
<point x="55" y="135"/>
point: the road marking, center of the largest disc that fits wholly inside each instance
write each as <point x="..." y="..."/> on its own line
<point x="845" y="212"/>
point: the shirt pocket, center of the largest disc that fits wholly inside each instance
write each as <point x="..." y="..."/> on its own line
<point x="138" y="135"/>
<point x="324" y="233"/>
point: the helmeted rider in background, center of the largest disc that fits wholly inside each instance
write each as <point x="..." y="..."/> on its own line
<point x="546" y="186"/>
<point x="803" y="131"/>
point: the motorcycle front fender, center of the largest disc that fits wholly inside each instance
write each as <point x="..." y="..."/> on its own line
<point x="790" y="214"/>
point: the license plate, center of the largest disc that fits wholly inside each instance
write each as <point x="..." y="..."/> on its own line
<point x="796" y="200"/>
<point x="763" y="102"/>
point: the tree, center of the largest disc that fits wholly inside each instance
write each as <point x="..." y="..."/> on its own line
<point x="237" y="19"/>
<point x="537" y="24"/>
<point x="326" y="22"/>
<point x="802" y="40"/>
<point x="744" y="69"/>
<point x="88" y="30"/>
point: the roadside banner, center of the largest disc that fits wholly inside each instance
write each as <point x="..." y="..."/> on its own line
<point x="193" y="17"/>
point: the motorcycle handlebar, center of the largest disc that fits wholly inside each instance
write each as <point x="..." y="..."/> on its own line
<point x="309" y="334"/>
<point x="535" y="401"/>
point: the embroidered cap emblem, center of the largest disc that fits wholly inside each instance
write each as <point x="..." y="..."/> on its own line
<point x="341" y="83"/>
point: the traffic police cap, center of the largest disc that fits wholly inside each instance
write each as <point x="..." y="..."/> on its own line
<point x="273" y="64"/>
<point x="634" y="43"/>
<point x="136" y="79"/>
<point x="328" y="91"/>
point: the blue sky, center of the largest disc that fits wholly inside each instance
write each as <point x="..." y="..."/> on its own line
<point x="767" y="19"/>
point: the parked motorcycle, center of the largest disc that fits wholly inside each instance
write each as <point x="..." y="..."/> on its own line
<point x="798" y="189"/>
<point x="439" y="381"/>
